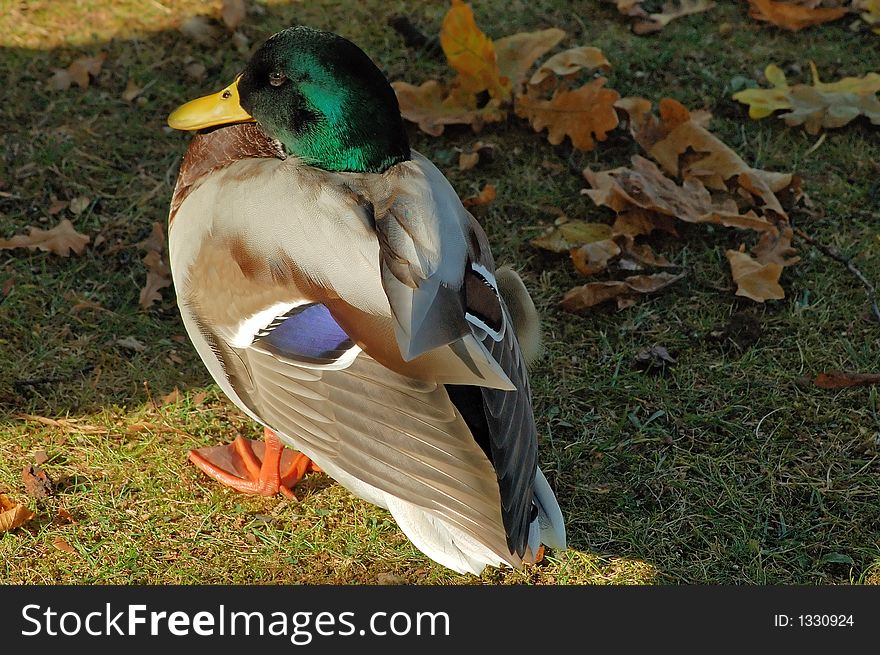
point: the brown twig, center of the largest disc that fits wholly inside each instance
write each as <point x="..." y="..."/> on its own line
<point x="846" y="261"/>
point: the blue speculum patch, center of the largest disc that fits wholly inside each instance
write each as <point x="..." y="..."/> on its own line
<point x="309" y="332"/>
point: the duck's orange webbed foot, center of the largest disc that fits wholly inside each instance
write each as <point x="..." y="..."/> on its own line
<point x="264" y="468"/>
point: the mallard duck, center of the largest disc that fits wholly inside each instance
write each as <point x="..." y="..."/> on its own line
<point x="341" y="296"/>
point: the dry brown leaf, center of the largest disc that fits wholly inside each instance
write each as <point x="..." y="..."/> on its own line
<point x="570" y="62"/>
<point x="201" y="29"/>
<point x="594" y="293"/>
<point x="671" y="11"/>
<point x="60" y="240"/>
<point x="467" y="160"/>
<point x="486" y="195"/>
<point x="80" y="71"/>
<point x="644" y="187"/>
<point x="67" y="425"/>
<point x="636" y="221"/>
<point x="431" y="108"/>
<point x="793" y="16"/>
<point x="196" y="71"/>
<point x="592" y="258"/>
<point x="132" y="91"/>
<point x="469" y="157"/>
<point x="232" y="13"/>
<point x="579" y="115"/>
<point x="36" y="481"/>
<point x="12" y="515"/>
<point x="56" y="206"/>
<point x="753" y="279"/>
<point x="642" y="253"/>
<point x="131" y="343"/>
<point x="79" y="204"/>
<point x="62" y="545"/>
<point x="842" y="380"/>
<point x="158" y="272"/>
<point x="570" y="235"/>
<point x="518" y="52"/>
<point x="86" y="67"/>
<point x="171" y="398"/>
<point x="686" y="149"/>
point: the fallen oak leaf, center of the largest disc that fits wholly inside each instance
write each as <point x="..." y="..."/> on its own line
<point x="79" y="204"/>
<point x="755" y="280"/>
<point x="828" y="105"/>
<point x="571" y="235"/>
<point x="842" y="380"/>
<point x="60" y="240"/>
<point x="432" y="109"/>
<point x="569" y="62"/>
<point x="682" y="145"/>
<point x="579" y="115"/>
<point x="80" y="71"/>
<point x="36" y="481"/>
<point x="644" y="187"/>
<point x="486" y="196"/>
<point x="467" y="160"/>
<point x="471" y="53"/>
<point x="62" y="545"/>
<point x="592" y="258"/>
<point x="655" y="357"/>
<point x="636" y="221"/>
<point x="594" y="293"/>
<point x="132" y="91"/>
<point x="233" y="12"/>
<point x="13" y="515"/>
<point x="656" y="22"/>
<point x="158" y="271"/>
<point x="171" y="398"/>
<point x="131" y="343"/>
<point x="517" y="53"/>
<point x="66" y="425"/>
<point x="792" y="16"/>
<point x="470" y="156"/>
<point x="202" y="30"/>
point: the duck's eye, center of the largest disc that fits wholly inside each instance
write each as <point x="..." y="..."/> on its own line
<point x="277" y="78"/>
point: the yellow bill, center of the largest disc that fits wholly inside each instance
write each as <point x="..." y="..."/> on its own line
<point x="219" y="108"/>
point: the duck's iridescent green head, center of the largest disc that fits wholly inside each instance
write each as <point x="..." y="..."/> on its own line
<point x="319" y="95"/>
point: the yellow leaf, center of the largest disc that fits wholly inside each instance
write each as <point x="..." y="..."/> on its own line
<point x="763" y="102"/>
<point x="572" y="234"/>
<point x="580" y="114"/>
<point x="516" y="53"/>
<point x="871" y="13"/>
<point x="828" y="105"/>
<point x="470" y="52"/>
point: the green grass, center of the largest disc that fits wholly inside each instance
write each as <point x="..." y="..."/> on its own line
<point x="730" y="467"/>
